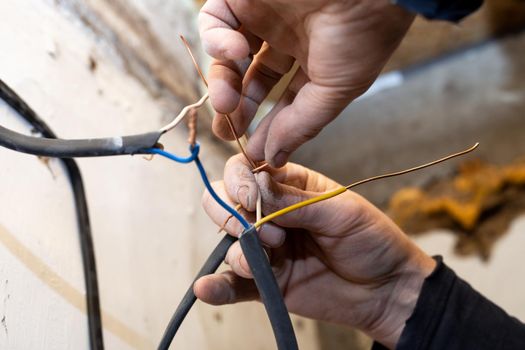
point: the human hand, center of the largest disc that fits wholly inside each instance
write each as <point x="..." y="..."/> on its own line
<point x="341" y="260"/>
<point x="340" y="46"/>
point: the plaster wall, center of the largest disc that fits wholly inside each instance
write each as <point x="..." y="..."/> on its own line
<point x="150" y="233"/>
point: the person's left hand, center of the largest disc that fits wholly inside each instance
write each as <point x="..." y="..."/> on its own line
<point x="341" y="260"/>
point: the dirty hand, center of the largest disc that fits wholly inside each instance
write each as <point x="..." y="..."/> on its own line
<point x="341" y="260"/>
<point x="340" y="46"/>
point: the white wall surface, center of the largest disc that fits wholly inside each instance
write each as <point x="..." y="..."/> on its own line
<point x="149" y="231"/>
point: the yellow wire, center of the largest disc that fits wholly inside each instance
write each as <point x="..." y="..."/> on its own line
<point x="299" y="205"/>
<point x="338" y="191"/>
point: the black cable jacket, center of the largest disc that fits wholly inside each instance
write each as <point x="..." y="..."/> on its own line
<point x="50" y="146"/>
<point x="86" y="241"/>
<point x="268" y="290"/>
<point x="210" y="266"/>
<point x="59" y="148"/>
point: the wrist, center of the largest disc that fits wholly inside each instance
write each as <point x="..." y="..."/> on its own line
<point x="399" y="297"/>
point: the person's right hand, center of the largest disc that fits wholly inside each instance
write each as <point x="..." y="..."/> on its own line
<point x="341" y="260"/>
<point x="340" y="46"/>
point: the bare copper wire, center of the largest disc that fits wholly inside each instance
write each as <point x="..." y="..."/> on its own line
<point x="234" y="134"/>
<point x="227" y="116"/>
<point x="223" y="226"/>
<point x="192" y="127"/>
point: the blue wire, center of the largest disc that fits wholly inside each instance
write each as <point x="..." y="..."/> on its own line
<point x="232" y="211"/>
<point x="191" y="158"/>
<point x="195" y="157"/>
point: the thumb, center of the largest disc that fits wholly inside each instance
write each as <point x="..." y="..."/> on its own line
<point x="312" y="109"/>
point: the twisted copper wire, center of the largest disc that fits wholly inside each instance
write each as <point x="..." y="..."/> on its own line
<point x="192" y="127"/>
<point x="227" y="116"/>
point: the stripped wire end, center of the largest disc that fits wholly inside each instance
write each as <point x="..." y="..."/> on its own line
<point x="150" y="157"/>
<point x="341" y="190"/>
<point x="227" y="116"/>
<point x="192" y="128"/>
<point x="223" y="226"/>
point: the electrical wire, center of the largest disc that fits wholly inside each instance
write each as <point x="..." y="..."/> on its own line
<point x="60" y="148"/>
<point x="210" y="266"/>
<point x="262" y="272"/>
<point x="227" y="116"/>
<point x="232" y="211"/>
<point x="338" y="191"/>
<point x="91" y="147"/>
<point x="269" y="290"/>
<point x="183" y="160"/>
<point x="96" y="340"/>
<point x="183" y="113"/>
<point x="194" y="157"/>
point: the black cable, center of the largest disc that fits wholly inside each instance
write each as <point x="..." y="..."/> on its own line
<point x="50" y="146"/>
<point x="59" y="148"/>
<point x="86" y="242"/>
<point x="210" y="266"/>
<point x="268" y="290"/>
<point x="264" y="279"/>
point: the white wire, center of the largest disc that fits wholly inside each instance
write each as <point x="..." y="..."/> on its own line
<point x="183" y="113"/>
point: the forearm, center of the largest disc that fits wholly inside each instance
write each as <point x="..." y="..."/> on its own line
<point x="450" y="314"/>
<point x="400" y="297"/>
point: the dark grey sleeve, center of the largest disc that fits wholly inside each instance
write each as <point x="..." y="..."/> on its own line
<point x="449" y="10"/>
<point x="451" y="315"/>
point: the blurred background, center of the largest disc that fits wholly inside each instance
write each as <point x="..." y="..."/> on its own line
<point x="112" y="67"/>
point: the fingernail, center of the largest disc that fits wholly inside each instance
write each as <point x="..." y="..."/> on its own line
<point x="279" y="159"/>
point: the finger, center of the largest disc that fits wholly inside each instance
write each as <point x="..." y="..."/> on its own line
<point x="276" y="196"/>
<point x="271" y="235"/>
<point x="218" y="27"/>
<point x="254" y="41"/>
<point x="225" y="288"/>
<point x="225" y="85"/>
<point x="256" y="145"/>
<point x="238" y="263"/>
<point x="241" y="185"/>
<point x="218" y="214"/>
<point x="266" y="70"/>
<point x="313" y="108"/>
<point x="240" y="182"/>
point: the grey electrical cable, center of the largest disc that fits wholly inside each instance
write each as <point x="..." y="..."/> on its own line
<point x="59" y="148"/>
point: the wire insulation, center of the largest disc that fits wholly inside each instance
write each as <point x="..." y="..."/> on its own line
<point x="338" y="191"/>
<point x="206" y="181"/>
<point x="210" y="266"/>
<point x="194" y="152"/>
<point x="183" y="113"/>
<point x="60" y="148"/>
<point x="268" y="290"/>
<point x="200" y="167"/>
